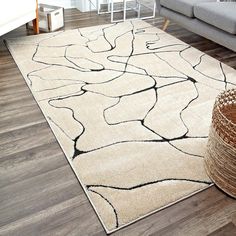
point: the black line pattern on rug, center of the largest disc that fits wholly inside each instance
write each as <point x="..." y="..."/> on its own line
<point x="118" y="66"/>
<point x="148" y="183"/>
<point x="91" y="187"/>
<point x="77" y="152"/>
<point x="114" y="210"/>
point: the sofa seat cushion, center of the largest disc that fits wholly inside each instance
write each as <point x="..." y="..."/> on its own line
<point x="219" y="14"/>
<point x="184" y="7"/>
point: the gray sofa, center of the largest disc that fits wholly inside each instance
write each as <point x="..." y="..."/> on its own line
<point x="209" y="18"/>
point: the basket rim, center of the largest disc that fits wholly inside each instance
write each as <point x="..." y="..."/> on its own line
<point x="218" y="103"/>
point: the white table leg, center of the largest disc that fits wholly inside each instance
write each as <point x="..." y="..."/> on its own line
<point x="124" y="1"/>
<point x="109" y="6"/>
<point x="112" y="11"/>
<point x="139" y="10"/>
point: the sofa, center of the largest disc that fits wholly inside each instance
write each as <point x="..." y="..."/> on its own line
<point x="211" y="19"/>
<point x="14" y="13"/>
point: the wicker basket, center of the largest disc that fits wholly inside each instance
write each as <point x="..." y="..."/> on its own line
<point x="220" y="160"/>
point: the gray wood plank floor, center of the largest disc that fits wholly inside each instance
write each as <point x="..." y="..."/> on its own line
<point x="39" y="193"/>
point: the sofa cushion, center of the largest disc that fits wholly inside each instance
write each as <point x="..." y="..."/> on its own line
<point x="219" y="14"/>
<point x="184" y="7"/>
<point x="12" y="10"/>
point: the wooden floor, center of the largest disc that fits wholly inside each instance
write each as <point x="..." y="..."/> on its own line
<point x="40" y="195"/>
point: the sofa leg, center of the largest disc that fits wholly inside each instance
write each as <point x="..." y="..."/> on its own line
<point x="166" y="23"/>
<point x="36" y="26"/>
<point x="36" y="20"/>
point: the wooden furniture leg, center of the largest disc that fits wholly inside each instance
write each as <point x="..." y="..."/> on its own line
<point x="166" y="23"/>
<point x="36" y="20"/>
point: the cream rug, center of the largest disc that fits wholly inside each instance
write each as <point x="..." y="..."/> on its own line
<point x="131" y="107"/>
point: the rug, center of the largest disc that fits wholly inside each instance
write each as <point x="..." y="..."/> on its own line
<point x="131" y="107"/>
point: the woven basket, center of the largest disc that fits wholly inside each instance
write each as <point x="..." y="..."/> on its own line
<point x="220" y="159"/>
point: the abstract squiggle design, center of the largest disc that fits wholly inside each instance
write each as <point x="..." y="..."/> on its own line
<point x="131" y="107"/>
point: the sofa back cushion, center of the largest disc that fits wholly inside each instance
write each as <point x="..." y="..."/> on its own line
<point x="184" y="7"/>
<point x="219" y="14"/>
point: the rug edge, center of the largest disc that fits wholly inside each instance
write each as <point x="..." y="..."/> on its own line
<point x="161" y="208"/>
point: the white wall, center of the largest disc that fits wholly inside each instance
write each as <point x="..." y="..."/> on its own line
<point x="86" y="5"/>
<point x="82" y="5"/>
<point x="61" y="3"/>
